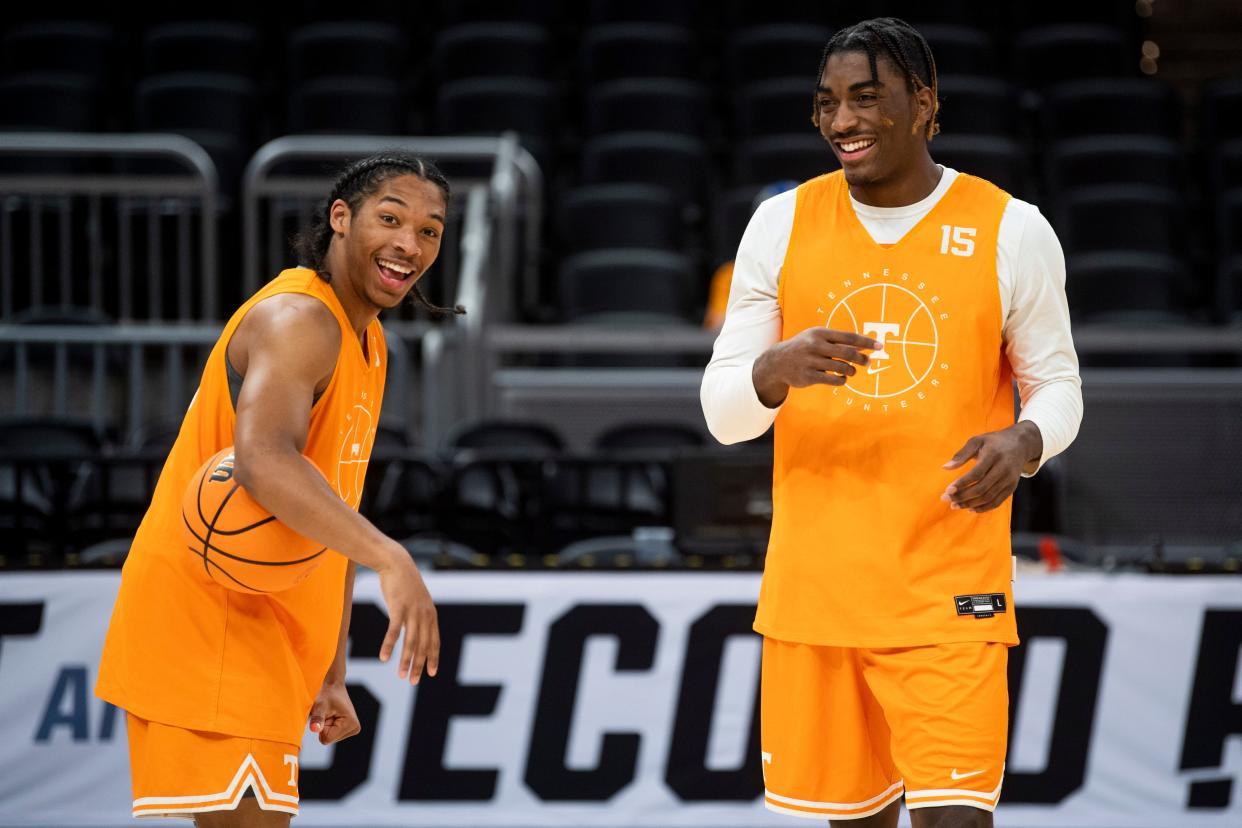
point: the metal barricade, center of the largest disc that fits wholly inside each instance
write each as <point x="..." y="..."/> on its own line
<point x="121" y="225"/>
<point x="126" y="378"/>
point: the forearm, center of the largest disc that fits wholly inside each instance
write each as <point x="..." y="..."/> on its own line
<point x="285" y="483"/>
<point x="336" y="672"/>
<point x="731" y="406"/>
<point x="1055" y="409"/>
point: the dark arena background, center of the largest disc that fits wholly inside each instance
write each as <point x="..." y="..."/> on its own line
<point x="594" y="554"/>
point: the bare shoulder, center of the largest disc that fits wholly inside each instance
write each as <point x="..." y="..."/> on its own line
<point x="296" y="328"/>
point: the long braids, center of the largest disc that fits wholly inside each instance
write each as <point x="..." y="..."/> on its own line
<point x="904" y="46"/>
<point x="355" y="184"/>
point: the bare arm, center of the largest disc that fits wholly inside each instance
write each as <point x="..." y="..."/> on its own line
<point x="286" y="348"/>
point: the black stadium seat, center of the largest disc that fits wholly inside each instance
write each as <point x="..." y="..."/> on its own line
<point x="505" y="435"/>
<point x="476" y="50"/>
<point x="781" y="106"/>
<point x="72" y="46"/>
<point x="489" y="106"/>
<point x="677" y="162"/>
<point x="732" y="213"/>
<point x="202" y="46"/>
<point x="1221" y="107"/>
<point x="649" y="435"/>
<point x="620" y="215"/>
<point x="1112" y="106"/>
<point x="960" y="50"/>
<point x="198" y="101"/>
<point x="1226" y="166"/>
<point x="347" y="105"/>
<point x="999" y="160"/>
<point x="648" y="105"/>
<point x="677" y="12"/>
<point x="780" y="50"/>
<point x="975" y="105"/>
<point x="1229" y="290"/>
<point x="1122" y="217"/>
<point x="620" y="283"/>
<point x="772" y="158"/>
<point x="50" y="101"/>
<point x="1052" y="54"/>
<point x="1229" y="224"/>
<point x="1114" y="159"/>
<point x="628" y="50"/>
<point x="1125" y="286"/>
<point x="357" y="48"/>
<point x="542" y="12"/>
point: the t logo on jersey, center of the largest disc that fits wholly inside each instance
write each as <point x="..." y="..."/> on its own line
<point x="879" y="331"/>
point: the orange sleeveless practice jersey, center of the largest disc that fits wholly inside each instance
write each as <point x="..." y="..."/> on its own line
<point x="863" y="552"/>
<point x="183" y="650"/>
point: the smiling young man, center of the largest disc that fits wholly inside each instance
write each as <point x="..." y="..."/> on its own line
<point x="219" y="685"/>
<point x="879" y="316"/>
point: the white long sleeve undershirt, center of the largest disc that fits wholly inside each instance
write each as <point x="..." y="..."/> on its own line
<point x="1030" y="270"/>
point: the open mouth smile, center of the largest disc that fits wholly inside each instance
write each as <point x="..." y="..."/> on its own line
<point x="854" y="149"/>
<point x="393" y="274"/>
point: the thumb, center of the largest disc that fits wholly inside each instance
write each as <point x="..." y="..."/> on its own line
<point x="965" y="453"/>
<point x="316" y="717"/>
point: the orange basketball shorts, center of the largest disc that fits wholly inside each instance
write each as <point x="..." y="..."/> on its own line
<point x="178" y="772"/>
<point x="847" y="731"/>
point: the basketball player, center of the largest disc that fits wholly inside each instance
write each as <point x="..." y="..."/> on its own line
<point x="878" y="315"/>
<point x="218" y="685"/>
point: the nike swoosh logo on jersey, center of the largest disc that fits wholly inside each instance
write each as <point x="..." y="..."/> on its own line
<point x="956" y="776"/>
<point x="873" y="370"/>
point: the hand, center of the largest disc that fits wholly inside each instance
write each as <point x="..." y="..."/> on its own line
<point x="332" y="715"/>
<point x="1000" y="457"/>
<point x="410" y="609"/>
<point x="817" y="356"/>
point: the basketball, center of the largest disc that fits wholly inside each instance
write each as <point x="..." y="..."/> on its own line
<point x="240" y="544"/>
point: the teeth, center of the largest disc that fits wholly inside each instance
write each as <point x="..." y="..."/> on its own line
<point x="855" y="146"/>
<point x="402" y="269"/>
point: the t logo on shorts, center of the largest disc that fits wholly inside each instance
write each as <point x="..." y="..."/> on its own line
<point x="292" y="761"/>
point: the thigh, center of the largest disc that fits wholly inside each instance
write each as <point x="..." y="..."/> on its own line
<point x="825" y="742"/>
<point x="179" y="772"/>
<point x="948" y="708"/>
<point x="247" y="814"/>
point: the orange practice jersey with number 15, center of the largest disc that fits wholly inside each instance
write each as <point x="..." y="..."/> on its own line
<point x="183" y="650"/>
<point x="863" y="552"/>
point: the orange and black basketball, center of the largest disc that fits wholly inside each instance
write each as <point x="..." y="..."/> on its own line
<point x="242" y="546"/>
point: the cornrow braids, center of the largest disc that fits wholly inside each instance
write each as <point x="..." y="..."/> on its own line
<point x="902" y="44"/>
<point x="355" y="184"/>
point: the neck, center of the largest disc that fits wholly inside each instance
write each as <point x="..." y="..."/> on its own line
<point x="358" y="310"/>
<point x="906" y="187"/>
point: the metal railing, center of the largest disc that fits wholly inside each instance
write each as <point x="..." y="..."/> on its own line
<point x="288" y="177"/>
<point x="123" y="378"/>
<point x="120" y="224"/>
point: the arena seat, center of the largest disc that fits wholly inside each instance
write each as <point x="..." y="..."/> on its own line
<point x="619" y="215"/>
<point x="627" y="50"/>
<point x="227" y="47"/>
<point x="667" y="105"/>
<point x="975" y="105"/>
<point x="479" y="50"/>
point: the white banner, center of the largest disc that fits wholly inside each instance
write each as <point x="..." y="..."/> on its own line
<point x="623" y="699"/>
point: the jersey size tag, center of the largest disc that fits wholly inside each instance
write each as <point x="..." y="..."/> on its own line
<point x="980" y="606"/>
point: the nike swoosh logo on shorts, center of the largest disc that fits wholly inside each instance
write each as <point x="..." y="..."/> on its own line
<point x="956" y="776"/>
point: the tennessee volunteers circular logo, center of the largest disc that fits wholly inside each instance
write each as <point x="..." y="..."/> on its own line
<point x="903" y="324"/>
<point x="355" y="450"/>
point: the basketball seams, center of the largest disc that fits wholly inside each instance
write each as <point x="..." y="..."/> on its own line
<point x="204" y="548"/>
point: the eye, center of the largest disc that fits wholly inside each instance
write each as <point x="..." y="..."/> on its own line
<point x="867" y="97"/>
<point x="432" y="233"/>
<point x="388" y="218"/>
<point x="826" y="103"/>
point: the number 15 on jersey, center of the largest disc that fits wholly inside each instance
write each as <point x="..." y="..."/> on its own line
<point x="960" y="241"/>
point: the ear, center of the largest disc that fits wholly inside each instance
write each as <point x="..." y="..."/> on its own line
<point x="338" y="217"/>
<point x="925" y="108"/>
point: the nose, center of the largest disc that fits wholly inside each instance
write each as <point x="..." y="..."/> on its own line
<point x="406" y="243"/>
<point x="844" y="119"/>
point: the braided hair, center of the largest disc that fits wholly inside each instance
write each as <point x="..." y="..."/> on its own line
<point x="902" y="44"/>
<point x="355" y="184"/>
